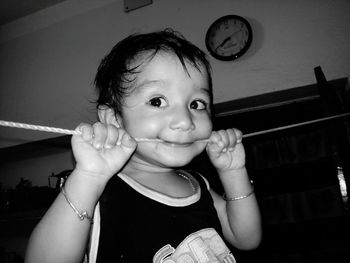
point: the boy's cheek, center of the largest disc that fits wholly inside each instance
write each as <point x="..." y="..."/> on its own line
<point x="210" y="128"/>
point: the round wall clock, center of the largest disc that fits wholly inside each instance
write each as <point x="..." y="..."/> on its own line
<point x="229" y="37"/>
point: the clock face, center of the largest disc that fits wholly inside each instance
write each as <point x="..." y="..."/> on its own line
<point x="229" y="37"/>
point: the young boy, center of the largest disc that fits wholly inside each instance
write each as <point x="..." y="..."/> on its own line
<point x="154" y="107"/>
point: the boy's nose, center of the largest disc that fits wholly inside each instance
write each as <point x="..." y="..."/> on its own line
<point x="182" y="119"/>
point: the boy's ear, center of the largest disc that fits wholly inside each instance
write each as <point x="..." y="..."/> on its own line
<point x="108" y="116"/>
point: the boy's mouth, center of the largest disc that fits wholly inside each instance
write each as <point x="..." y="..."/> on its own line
<point x="177" y="144"/>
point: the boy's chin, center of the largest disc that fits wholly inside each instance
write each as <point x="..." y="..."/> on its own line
<point x="177" y="163"/>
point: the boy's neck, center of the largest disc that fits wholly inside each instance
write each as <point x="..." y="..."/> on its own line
<point x="167" y="181"/>
<point x="135" y="169"/>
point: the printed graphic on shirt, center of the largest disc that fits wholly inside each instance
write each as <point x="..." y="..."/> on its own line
<point x="204" y="246"/>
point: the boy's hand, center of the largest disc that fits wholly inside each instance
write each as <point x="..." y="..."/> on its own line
<point x="102" y="150"/>
<point x="225" y="149"/>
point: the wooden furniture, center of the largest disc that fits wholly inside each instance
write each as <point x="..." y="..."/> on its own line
<point x="305" y="217"/>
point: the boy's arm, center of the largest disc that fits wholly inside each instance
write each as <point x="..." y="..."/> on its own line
<point x="100" y="152"/>
<point x="239" y="217"/>
<point x="61" y="236"/>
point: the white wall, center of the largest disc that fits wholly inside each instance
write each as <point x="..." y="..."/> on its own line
<point x="48" y="59"/>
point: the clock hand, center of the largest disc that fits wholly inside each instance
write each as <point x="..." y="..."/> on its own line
<point x="227" y="39"/>
<point x="223" y="42"/>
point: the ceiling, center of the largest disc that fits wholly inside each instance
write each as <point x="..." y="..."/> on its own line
<point x="11" y="10"/>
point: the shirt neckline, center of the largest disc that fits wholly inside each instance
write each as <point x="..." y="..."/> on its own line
<point x="163" y="198"/>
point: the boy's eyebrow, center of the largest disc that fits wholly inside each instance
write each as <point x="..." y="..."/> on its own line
<point x="144" y="84"/>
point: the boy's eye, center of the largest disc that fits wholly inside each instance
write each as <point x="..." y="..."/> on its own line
<point x="157" y="102"/>
<point x="198" y="105"/>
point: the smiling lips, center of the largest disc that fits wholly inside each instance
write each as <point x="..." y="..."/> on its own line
<point x="177" y="144"/>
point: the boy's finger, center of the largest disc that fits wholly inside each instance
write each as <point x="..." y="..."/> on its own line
<point x="128" y="141"/>
<point x="232" y="138"/>
<point x="239" y="135"/>
<point x="112" y="137"/>
<point x="224" y="140"/>
<point x="99" y="136"/>
<point x="214" y="149"/>
<point x="214" y="137"/>
<point x="86" y="131"/>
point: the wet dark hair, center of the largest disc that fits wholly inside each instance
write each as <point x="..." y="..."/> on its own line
<point x="115" y="74"/>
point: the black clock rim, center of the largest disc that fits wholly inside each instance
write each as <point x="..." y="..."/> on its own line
<point x="242" y="51"/>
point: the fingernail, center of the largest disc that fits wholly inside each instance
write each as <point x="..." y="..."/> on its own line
<point x="128" y="139"/>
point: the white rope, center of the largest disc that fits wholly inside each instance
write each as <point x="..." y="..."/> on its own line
<point x="72" y="132"/>
<point x="37" y="127"/>
<point x="296" y="125"/>
<point x="64" y="131"/>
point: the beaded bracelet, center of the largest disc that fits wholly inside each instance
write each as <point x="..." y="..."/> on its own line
<point x="81" y="215"/>
<point x="237" y="197"/>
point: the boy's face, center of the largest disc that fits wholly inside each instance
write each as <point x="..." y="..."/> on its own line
<point x="170" y="104"/>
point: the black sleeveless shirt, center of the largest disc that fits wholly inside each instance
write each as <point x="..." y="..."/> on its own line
<point x="140" y="225"/>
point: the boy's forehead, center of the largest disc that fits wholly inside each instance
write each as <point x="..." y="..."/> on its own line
<point x="144" y="59"/>
<point x="148" y="71"/>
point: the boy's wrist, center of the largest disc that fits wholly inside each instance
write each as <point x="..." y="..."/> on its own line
<point x="233" y="178"/>
<point x="237" y="184"/>
<point x="81" y="193"/>
<point x="92" y="183"/>
<point x="96" y="177"/>
<point x="232" y="172"/>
